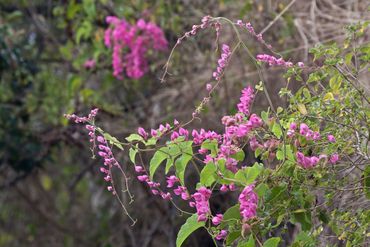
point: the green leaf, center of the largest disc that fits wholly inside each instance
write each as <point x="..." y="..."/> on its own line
<point x="239" y="156"/>
<point x="211" y="145"/>
<point x="249" y="243"/>
<point x="89" y="7"/>
<point x="180" y="166"/>
<point x="207" y="175"/>
<point x="280" y="155"/>
<point x="132" y="154"/>
<point x="272" y="242"/>
<point x="261" y="189"/>
<point x="304" y="218"/>
<point x="159" y="156"/>
<point x="265" y="116"/>
<point x="151" y="141"/>
<point x="248" y="175"/>
<point x="258" y="152"/>
<point x="232" y="236"/>
<point x="232" y="213"/>
<point x="188" y="228"/>
<point x="113" y="140"/>
<point x="134" y="137"/>
<point x="302" y="109"/>
<point x="169" y="164"/>
<point x="276" y="129"/>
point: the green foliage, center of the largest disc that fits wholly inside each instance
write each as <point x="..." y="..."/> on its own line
<point x="188" y="228"/>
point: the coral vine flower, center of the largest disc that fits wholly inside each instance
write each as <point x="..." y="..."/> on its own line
<point x="131" y="44"/>
<point x="248" y="203"/>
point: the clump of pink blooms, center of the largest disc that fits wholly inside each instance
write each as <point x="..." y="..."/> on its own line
<point x="201" y="198"/>
<point x="222" y="62"/>
<point x="131" y="44"/>
<point x="273" y="61"/>
<point x="248" y="200"/>
<point x="305" y="131"/>
<point x="109" y="161"/>
<point x="248" y="26"/>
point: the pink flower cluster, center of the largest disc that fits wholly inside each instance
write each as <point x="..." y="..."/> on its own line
<point x="154" y="186"/>
<point x="77" y="119"/>
<point x="109" y="161"/>
<point x="273" y="61"/>
<point x="306" y="161"/>
<point x="222" y="62"/>
<point x="248" y="200"/>
<point x="85" y="120"/>
<point x="246" y="100"/>
<point x="162" y="129"/>
<point x="201" y="198"/>
<point x="195" y="28"/>
<point x="251" y="30"/>
<point x="130" y="44"/>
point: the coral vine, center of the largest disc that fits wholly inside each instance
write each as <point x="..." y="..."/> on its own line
<point x="130" y="44"/>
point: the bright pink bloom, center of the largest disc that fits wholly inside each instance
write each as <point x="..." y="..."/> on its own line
<point x="331" y="138"/>
<point x="142" y="132"/>
<point x="246" y="100"/>
<point x="248" y="203"/>
<point x="216" y="220"/>
<point x="143" y="178"/>
<point x="139" y="169"/>
<point x="201" y="198"/>
<point x="171" y="180"/>
<point x="334" y="158"/>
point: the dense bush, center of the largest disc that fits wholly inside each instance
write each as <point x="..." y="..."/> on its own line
<point x="308" y="154"/>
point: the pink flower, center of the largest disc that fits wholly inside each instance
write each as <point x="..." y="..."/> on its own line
<point x="143" y="178"/>
<point x="316" y="136"/>
<point x="209" y="87"/>
<point x="221" y="235"/>
<point x="153" y="132"/>
<point x="142" y="132"/>
<point x="273" y="61"/>
<point x="224" y="188"/>
<point x="331" y="138"/>
<point x="222" y="62"/>
<point x="300" y="64"/>
<point x="139" y="169"/>
<point x="201" y="198"/>
<point x="216" y="220"/>
<point x="174" y="135"/>
<point x="131" y="45"/>
<point x="303" y="129"/>
<point x="171" y="180"/>
<point x="248" y="203"/>
<point x="166" y="196"/>
<point x="334" y="158"/>
<point x="246" y="100"/>
<point x="255" y="121"/>
<point x="306" y="162"/>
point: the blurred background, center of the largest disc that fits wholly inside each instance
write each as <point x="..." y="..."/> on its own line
<point x="51" y="191"/>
